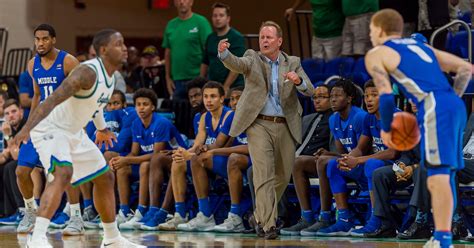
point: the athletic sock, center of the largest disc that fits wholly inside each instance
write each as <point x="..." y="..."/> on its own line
<point x="75" y="210"/>
<point x="40" y="229"/>
<point x="111" y="231"/>
<point x="204" y="206"/>
<point x="307" y="215"/>
<point x="344" y="214"/>
<point x="87" y="203"/>
<point x="325" y="216"/>
<point x="162" y="214"/>
<point x="235" y="209"/>
<point x="180" y="208"/>
<point x="30" y="204"/>
<point x="142" y="209"/>
<point x="445" y="238"/>
<point x="125" y="209"/>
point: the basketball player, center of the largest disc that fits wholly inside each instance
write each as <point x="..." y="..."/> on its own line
<point x="418" y="71"/>
<point x="67" y="154"/>
<point x="48" y="69"/>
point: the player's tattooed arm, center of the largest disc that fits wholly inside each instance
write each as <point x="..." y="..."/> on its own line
<point x="83" y="77"/>
<point x="381" y="80"/>
<point x="463" y="76"/>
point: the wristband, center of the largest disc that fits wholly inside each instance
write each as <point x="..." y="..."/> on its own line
<point x="386" y="108"/>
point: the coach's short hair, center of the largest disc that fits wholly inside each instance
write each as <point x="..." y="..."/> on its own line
<point x="272" y="24"/>
<point x="214" y="85"/>
<point x="146" y="93"/>
<point x="45" y="27"/>
<point x="389" y="20"/>
<point x="102" y="38"/>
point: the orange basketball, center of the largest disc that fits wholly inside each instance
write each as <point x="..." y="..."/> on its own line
<point x="405" y="131"/>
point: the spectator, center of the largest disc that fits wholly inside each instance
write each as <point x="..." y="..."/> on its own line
<point x="211" y="65"/>
<point x="26" y="92"/>
<point x="81" y="57"/>
<point x="431" y="16"/>
<point x="184" y="40"/>
<point x="149" y="73"/>
<point x="133" y="60"/>
<point x="3" y="98"/>
<point x="328" y="21"/>
<point x="355" y="35"/>
<point x="12" y="198"/>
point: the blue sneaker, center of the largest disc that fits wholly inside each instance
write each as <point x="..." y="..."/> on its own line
<point x="153" y="223"/>
<point x="370" y="227"/>
<point x="341" y="228"/>
<point x="59" y="220"/>
<point x="12" y="220"/>
<point x="149" y="215"/>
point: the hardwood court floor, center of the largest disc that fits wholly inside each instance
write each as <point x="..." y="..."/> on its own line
<point x="92" y="238"/>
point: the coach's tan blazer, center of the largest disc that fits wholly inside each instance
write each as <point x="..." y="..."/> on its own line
<point x="257" y="74"/>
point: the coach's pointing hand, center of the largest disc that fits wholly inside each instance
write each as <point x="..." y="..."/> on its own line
<point x="293" y="77"/>
<point x="223" y="45"/>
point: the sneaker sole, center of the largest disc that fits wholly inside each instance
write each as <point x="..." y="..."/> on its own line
<point x="229" y="231"/>
<point x="334" y="234"/>
<point x="308" y="234"/>
<point x="290" y="233"/>
<point x="357" y="235"/>
<point x="73" y="233"/>
<point x="149" y="228"/>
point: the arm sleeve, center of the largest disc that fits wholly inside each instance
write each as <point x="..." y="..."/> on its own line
<point x="99" y="120"/>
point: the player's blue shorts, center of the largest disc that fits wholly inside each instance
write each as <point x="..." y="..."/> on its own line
<point x="28" y="156"/>
<point x="338" y="178"/>
<point x="135" y="176"/>
<point x="442" y="118"/>
<point x="219" y="165"/>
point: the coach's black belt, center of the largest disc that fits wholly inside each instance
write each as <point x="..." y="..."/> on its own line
<point x="275" y="119"/>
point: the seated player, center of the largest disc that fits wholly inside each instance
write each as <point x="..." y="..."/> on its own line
<point x="380" y="156"/>
<point x="316" y="136"/>
<point x="113" y="117"/>
<point x="151" y="134"/>
<point x="160" y="165"/>
<point x="346" y="126"/>
<point x="209" y="127"/>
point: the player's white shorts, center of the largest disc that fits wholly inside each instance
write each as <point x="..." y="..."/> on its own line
<point x="57" y="147"/>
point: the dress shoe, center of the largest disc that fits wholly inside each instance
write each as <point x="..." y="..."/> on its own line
<point x="416" y="231"/>
<point x="272" y="233"/>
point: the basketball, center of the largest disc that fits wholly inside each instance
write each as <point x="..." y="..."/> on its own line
<point x="405" y="131"/>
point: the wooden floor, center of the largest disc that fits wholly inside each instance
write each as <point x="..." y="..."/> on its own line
<point x="92" y="238"/>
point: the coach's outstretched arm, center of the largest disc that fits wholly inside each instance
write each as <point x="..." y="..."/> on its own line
<point x="454" y="64"/>
<point x="240" y="65"/>
<point x="81" y="78"/>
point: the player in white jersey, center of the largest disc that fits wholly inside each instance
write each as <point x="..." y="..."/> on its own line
<point x="67" y="154"/>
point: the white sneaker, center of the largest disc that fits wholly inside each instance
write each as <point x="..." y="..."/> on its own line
<point x="200" y="223"/>
<point x="173" y="223"/>
<point x="119" y="242"/>
<point x="233" y="224"/>
<point x="133" y="223"/>
<point x="28" y="222"/>
<point x="75" y="227"/>
<point x="39" y="243"/>
<point x="121" y="218"/>
<point x="433" y="243"/>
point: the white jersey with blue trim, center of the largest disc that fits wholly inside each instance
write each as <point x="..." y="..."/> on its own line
<point x="73" y="114"/>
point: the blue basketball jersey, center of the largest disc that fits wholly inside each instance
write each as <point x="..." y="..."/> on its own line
<point x="196" y="120"/>
<point x="50" y="79"/>
<point x="211" y="132"/>
<point x="441" y="113"/>
<point x="225" y="129"/>
<point x="418" y="73"/>
<point x="160" y="130"/>
<point x="348" y="131"/>
<point x="372" y="128"/>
